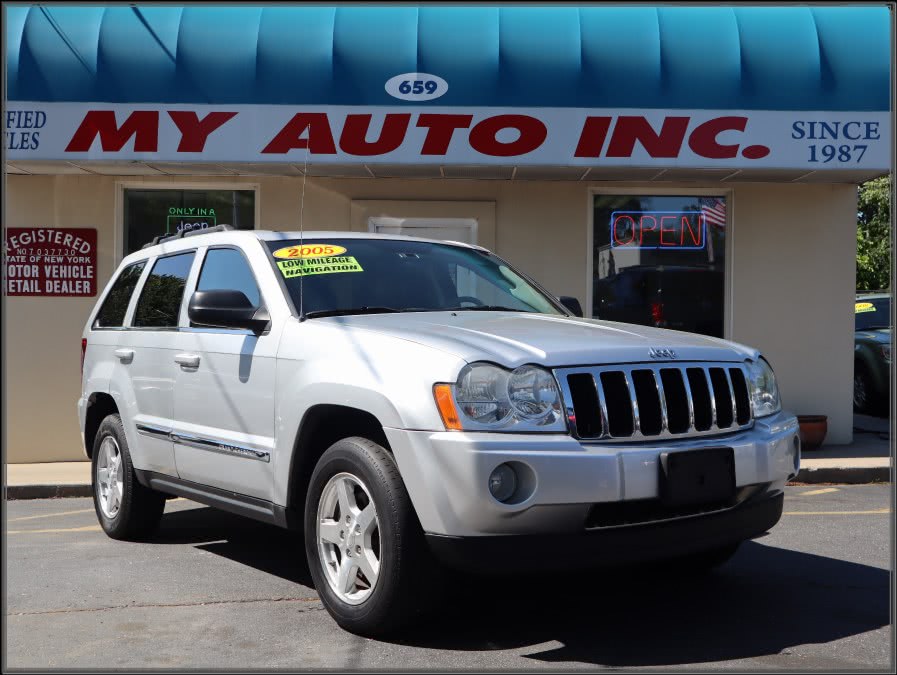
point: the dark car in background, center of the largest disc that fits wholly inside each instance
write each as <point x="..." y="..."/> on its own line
<point x="679" y="297"/>
<point x="872" y="353"/>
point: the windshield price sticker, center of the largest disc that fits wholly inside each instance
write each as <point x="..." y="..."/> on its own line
<point x="864" y="307"/>
<point x="309" y="251"/>
<point x="303" y="267"/>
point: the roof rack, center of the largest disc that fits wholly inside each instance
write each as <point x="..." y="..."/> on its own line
<point x="223" y="227"/>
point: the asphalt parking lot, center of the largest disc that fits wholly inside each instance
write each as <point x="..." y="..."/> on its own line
<point x="215" y="590"/>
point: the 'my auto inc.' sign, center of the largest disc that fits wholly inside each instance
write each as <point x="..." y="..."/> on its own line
<point x="448" y="135"/>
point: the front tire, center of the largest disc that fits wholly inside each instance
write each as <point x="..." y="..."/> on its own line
<point x="863" y="389"/>
<point x="364" y="544"/>
<point x="125" y="508"/>
<point x="698" y="564"/>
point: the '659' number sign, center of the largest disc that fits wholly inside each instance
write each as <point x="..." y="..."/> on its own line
<point x="416" y="86"/>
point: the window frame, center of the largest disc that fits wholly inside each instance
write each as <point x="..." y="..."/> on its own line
<point x="182" y="308"/>
<point x="666" y="191"/>
<point x="134" y="292"/>
<point x="121" y="186"/>
<point x="193" y="282"/>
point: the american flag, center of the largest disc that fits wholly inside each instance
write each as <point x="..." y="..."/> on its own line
<point x="714" y="211"/>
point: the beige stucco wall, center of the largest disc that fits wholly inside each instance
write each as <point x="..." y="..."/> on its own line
<point x="794" y="274"/>
<point x="791" y="282"/>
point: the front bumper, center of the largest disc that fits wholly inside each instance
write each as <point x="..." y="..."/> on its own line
<point x="613" y="545"/>
<point x="447" y="473"/>
<point x="82" y="419"/>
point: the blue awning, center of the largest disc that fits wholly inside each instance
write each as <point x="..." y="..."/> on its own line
<point x="740" y="58"/>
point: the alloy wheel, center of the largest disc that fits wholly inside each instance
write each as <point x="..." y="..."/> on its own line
<point x="110" y="477"/>
<point x="348" y="535"/>
<point x="859" y="391"/>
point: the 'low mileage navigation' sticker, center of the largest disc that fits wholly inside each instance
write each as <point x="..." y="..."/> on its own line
<point x="302" y="267"/>
<point x="308" y="259"/>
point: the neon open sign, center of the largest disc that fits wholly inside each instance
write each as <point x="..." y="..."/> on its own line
<point x="658" y="230"/>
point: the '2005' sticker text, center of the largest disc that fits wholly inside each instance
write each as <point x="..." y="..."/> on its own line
<point x="309" y="251"/>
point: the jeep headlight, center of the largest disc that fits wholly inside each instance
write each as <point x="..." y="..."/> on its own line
<point x="487" y="397"/>
<point x="764" y="390"/>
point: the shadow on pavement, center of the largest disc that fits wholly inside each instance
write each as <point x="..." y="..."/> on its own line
<point x="765" y="600"/>
<point x="762" y="602"/>
<point x="265" y="547"/>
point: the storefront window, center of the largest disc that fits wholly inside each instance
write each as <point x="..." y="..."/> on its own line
<point x="149" y="213"/>
<point x="660" y="261"/>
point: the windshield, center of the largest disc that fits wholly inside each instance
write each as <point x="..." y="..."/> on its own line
<point x="873" y="313"/>
<point x="358" y="276"/>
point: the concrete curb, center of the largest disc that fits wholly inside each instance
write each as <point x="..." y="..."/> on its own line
<point x="47" y="491"/>
<point x="845" y="475"/>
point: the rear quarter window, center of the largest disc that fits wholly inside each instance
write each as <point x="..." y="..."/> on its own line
<point x="112" y="313"/>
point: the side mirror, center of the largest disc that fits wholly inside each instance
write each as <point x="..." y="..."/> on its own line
<point x="227" y="309"/>
<point x="572" y="304"/>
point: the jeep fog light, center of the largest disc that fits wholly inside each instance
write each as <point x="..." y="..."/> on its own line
<point x="503" y="482"/>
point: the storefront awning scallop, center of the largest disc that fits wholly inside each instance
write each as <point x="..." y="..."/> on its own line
<point x="722" y="58"/>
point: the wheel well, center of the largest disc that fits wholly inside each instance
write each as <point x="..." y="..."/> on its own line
<point x="322" y="426"/>
<point x="99" y="406"/>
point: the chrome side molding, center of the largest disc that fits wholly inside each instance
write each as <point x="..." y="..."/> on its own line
<point x="218" y="446"/>
<point x="154" y="432"/>
<point x="204" y="443"/>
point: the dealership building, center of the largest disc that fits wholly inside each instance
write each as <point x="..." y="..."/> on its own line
<point x="688" y="167"/>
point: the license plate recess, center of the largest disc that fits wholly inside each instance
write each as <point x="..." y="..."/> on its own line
<point x="695" y="477"/>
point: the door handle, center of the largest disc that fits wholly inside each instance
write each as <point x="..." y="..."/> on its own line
<point x="125" y="355"/>
<point x="187" y="360"/>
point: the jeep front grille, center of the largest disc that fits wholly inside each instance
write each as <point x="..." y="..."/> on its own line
<point x="647" y="401"/>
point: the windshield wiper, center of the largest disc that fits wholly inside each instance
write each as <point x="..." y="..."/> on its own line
<point x="482" y="308"/>
<point x="391" y="310"/>
<point x="353" y="310"/>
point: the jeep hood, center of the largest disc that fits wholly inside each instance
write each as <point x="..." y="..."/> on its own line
<point x="514" y="338"/>
<point x="881" y="335"/>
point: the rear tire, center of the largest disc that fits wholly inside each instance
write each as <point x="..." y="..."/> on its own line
<point x="125" y="508"/>
<point x="352" y="477"/>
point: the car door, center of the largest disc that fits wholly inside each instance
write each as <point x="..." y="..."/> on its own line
<point x="112" y="345"/>
<point x="224" y="393"/>
<point x="146" y="356"/>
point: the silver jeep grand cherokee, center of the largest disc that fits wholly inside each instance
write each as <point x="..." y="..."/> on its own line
<point x="407" y="404"/>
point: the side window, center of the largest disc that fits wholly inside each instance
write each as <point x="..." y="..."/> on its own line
<point x="227" y="269"/>
<point x="112" y="313"/>
<point x="160" y="300"/>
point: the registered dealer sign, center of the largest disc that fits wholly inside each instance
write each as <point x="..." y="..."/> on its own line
<point x="50" y="261"/>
